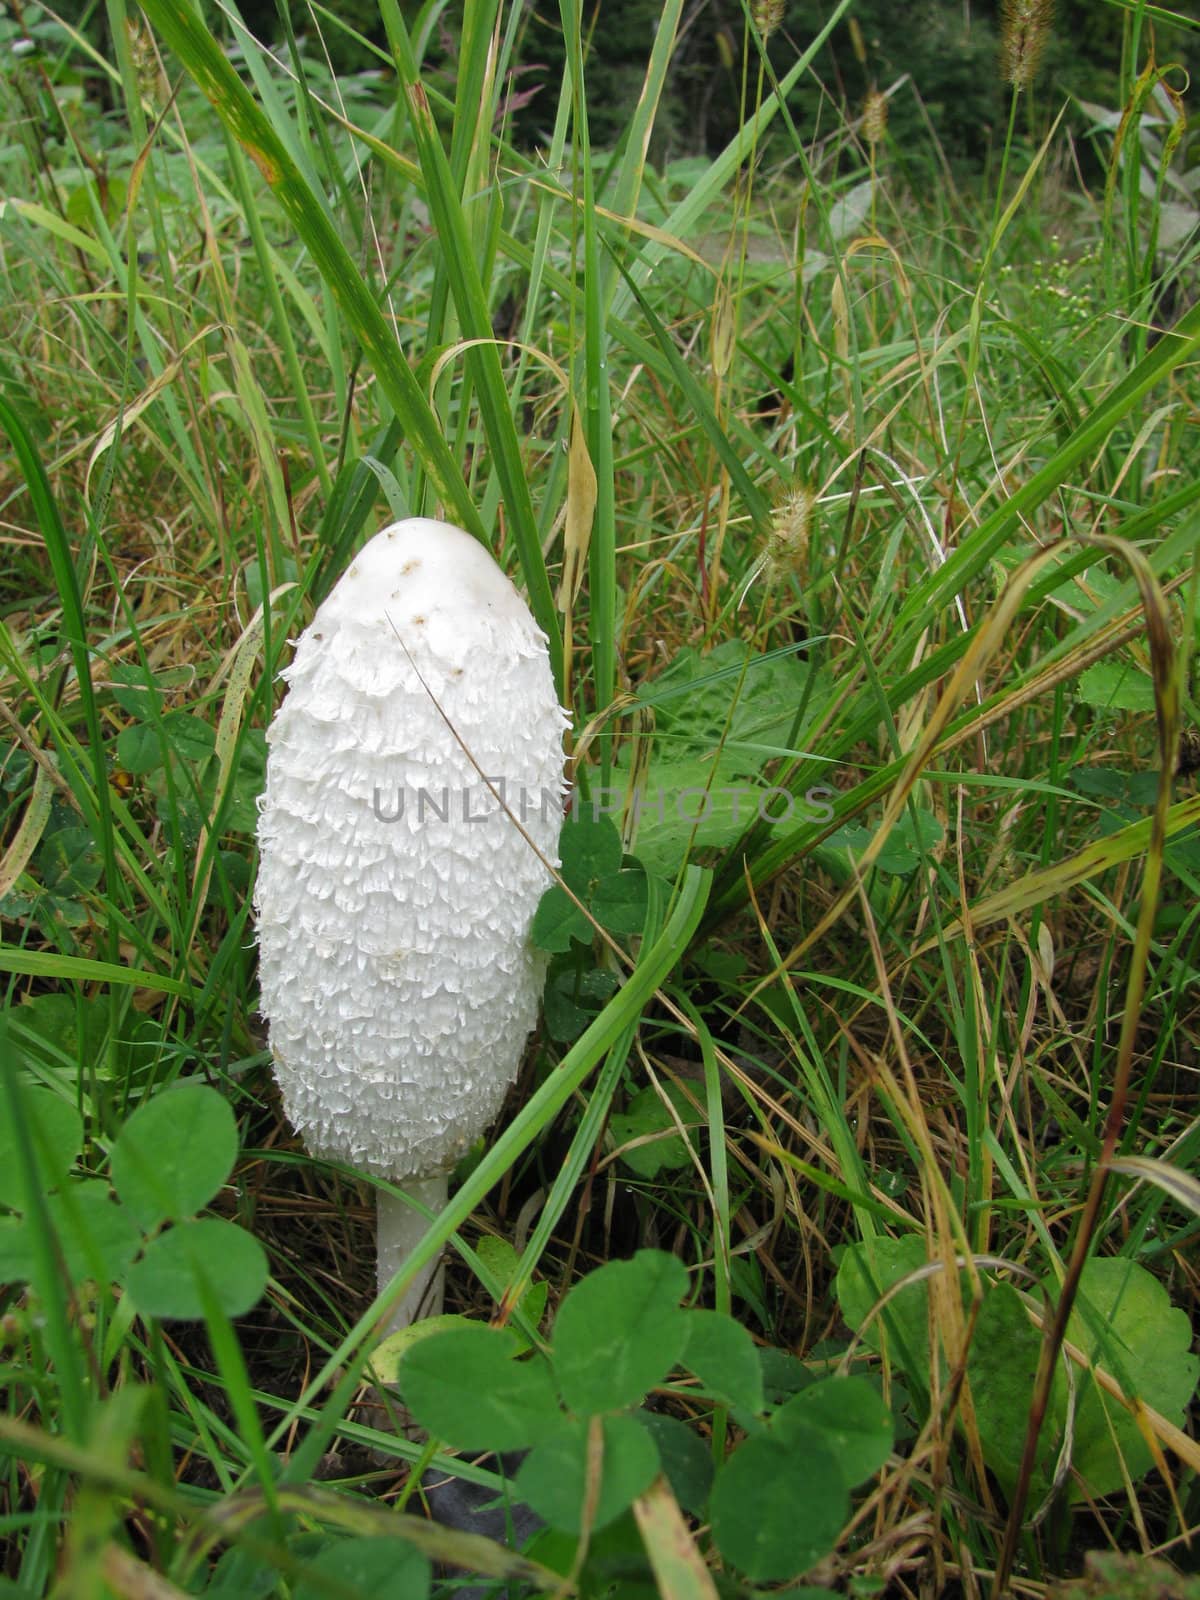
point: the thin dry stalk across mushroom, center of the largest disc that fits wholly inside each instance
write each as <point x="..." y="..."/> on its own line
<point x="395" y="894"/>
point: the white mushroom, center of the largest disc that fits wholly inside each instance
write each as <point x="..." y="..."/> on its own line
<point x="395" y="895"/>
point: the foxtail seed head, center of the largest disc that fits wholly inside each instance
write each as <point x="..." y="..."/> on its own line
<point x="874" y="117"/>
<point x="767" y="15"/>
<point x="788" y="540"/>
<point x="1024" y="29"/>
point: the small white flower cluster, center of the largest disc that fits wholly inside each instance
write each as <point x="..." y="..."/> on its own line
<point x="1057" y="290"/>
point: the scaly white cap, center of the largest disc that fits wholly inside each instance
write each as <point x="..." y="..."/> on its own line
<point x="394" y="896"/>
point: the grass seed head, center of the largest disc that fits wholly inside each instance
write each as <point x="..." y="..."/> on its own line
<point x="791" y="531"/>
<point x="874" y="117"/>
<point x="146" y="64"/>
<point x="767" y="14"/>
<point x="1024" y="29"/>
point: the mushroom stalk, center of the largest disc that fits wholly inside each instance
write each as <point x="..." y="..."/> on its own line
<point x="396" y="890"/>
<point x="399" y="1228"/>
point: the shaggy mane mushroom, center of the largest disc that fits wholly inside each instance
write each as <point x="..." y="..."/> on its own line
<point x="395" y="895"/>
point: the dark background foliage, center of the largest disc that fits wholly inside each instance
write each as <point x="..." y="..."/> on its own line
<point x="948" y="50"/>
<point x="939" y="56"/>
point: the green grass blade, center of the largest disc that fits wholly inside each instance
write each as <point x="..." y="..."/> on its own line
<point x="471" y="304"/>
<point x="74" y="629"/>
<point x="940" y="587"/>
<point x="203" y="58"/>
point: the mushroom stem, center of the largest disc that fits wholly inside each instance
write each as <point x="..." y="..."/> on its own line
<point x="401" y="1227"/>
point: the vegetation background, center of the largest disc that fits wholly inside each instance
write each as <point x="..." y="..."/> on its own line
<point x="827" y="376"/>
<point x="949" y="49"/>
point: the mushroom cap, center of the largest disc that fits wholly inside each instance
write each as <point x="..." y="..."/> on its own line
<point x="395" y="895"/>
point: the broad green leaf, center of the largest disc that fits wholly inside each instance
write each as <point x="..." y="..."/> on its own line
<point x="56" y="1030"/>
<point x="692" y="803"/>
<point x="174" y="1153"/>
<point x="867" y="1271"/>
<point x="590" y="847"/>
<point x="783" y="1374"/>
<point x="558" y="920"/>
<point x="1132" y="792"/>
<point x="252" y="573"/>
<point x="134" y="689"/>
<point x="849" y="1414"/>
<point x="16" y="1255"/>
<point x="619" y="1332"/>
<point x="553" y="1479"/>
<point x="190" y="737"/>
<point x="57" y="1130"/>
<point x="777" y="1509"/>
<point x="140" y="749"/>
<point x="81" y="198"/>
<point x="467" y="1389"/>
<point x="725" y="1359"/>
<point x="98" y="1238"/>
<point x="390" y="1352"/>
<point x="1112" y="686"/>
<point x="143" y="747"/>
<point x="1124" y="1322"/>
<point x="726" y="695"/>
<point x="166" y="1281"/>
<point x="615" y="1553"/>
<point x="686" y="1459"/>
<point x="903" y="849"/>
<point x="572" y="999"/>
<point x="619" y="903"/>
<point x="499" y="1256"/>
<point x="646" y="1116"/>
<point x="1002" y="1366"/>
<point x="240" y="1576"/>
<point x="69" y="863"/>
<point x="502" y="1260"/>
<point x="378" y="1568"/>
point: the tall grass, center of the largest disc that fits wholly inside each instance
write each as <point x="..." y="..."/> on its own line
<point x="954" y="1008"/>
